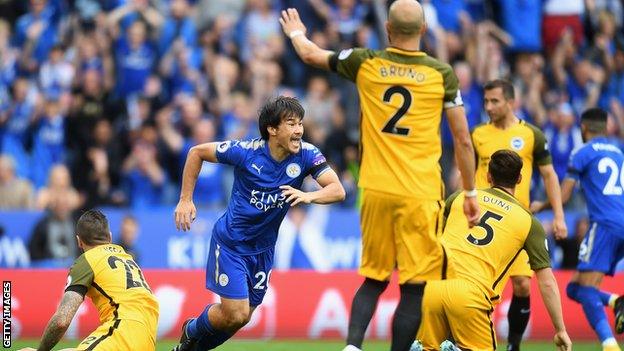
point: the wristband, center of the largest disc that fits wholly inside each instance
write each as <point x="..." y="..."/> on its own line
<point x="295" y="33"/>
<point x="470" y="193"/>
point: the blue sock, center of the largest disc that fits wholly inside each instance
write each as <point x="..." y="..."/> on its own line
<point x="208" y="337"/>
<point x="199" y="326"/>
<point x="589" y="297"/>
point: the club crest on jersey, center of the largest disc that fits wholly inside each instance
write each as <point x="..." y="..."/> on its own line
<point x="223" y="146"/>
<point x="517" y="143"/>
<point x="293" y="170"/>
<point x="223" y="279"/>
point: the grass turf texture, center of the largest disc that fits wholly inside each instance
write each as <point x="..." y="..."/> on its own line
<point x="305" y="345"/>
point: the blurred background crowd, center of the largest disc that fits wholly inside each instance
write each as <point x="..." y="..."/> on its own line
<point x="100" y="100"/>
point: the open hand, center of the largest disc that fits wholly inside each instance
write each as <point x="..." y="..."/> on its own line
<point x="291" y="22"/>
<point x="185" y="213"/>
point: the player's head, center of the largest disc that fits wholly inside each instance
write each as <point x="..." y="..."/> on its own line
<point x="498" y="99"/>
<point x="593" y="122"/>
<point x="504" y="169"/>
<point x="92" y="229"/>
<point x="281" y="120"/>
<point x="406" y="20"/>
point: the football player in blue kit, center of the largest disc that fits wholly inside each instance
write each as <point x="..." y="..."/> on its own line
<point x="599" y="167"/>
<point x="268" y="173"/>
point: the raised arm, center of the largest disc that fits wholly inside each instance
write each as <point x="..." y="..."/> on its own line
<point x="309" y="52"/>
<point x="60" y="321"/>
<point x="185" y="211"/>
<point x="331" y="191"/>
<point x="552" y="301"/>
<point x="464" y="155"/>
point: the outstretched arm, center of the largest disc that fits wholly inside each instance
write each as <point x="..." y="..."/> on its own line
<point x="60" y="321"/>
<point x="331" y="191"/>
<point x="309" y="52"/>
<point x="552" y="301"/>
<point x="185" y="211"/>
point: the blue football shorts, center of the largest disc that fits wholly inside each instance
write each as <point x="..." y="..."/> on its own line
<point x="601" y="250"/>
<point x="235" y="276"/>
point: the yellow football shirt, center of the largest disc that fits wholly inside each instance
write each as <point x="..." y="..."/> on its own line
<point x="524" y="138"/>
<point x="402" y="94"/>
<point x="115" y="283"/>
<point x="484" y="253"/>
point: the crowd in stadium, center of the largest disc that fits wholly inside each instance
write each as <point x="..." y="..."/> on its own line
<point x="100" y="100"/>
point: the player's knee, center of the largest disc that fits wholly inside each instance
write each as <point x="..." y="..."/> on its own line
<point x="572" y="291"/>
<point x="521" y="286"/>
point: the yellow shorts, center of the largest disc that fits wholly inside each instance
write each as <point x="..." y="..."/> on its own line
<point x="456" y="308"/>
<point x="120" y="335"/>
<point x="519" y="268"/>
<point x="402" y="233"/>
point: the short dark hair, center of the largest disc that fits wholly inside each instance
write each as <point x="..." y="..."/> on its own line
<point x="504" y="84"/>
<point x="595" y="120"/>
<point x="92" y="228"/>
<point x="276" y="110"/>
<point x="505" y="167"/>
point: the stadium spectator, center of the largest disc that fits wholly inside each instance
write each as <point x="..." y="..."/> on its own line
<point x="59" y="186"/>
<point x="97" y="170"/>
<point x="259" y="32"/>
<point x="240" y="122"/>
<point x="563" y="137"/>
<point x="209" y="188"/>
<point x="337" y="141"/>
<point x="36" y="33"/>
<point x="15" y="193"/>
<point x="128" y="234"/>
<point x="15" y="122"/>
<point x="178" y="26"/>
<point x="53" y="240"/>
<point x="135" y="58"/>
<point x="56" y="74"/>
<point x="320" y="104"/>
<point x="142" y="175"/>
<point x="48" y="141"/>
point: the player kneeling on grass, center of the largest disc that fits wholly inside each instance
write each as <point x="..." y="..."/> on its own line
<point x="127" y="308"/>
<point x="268" y="173"/>
<point x="478" y="258"/>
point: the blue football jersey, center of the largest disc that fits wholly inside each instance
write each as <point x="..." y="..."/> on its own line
<point x="599" y="167"/>
<point x="257" y="206"/>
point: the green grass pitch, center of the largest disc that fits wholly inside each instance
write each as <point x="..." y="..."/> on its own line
<point x="306" y="345"/>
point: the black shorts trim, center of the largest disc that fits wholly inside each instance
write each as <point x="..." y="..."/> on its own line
<point x="103" y="337"/>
